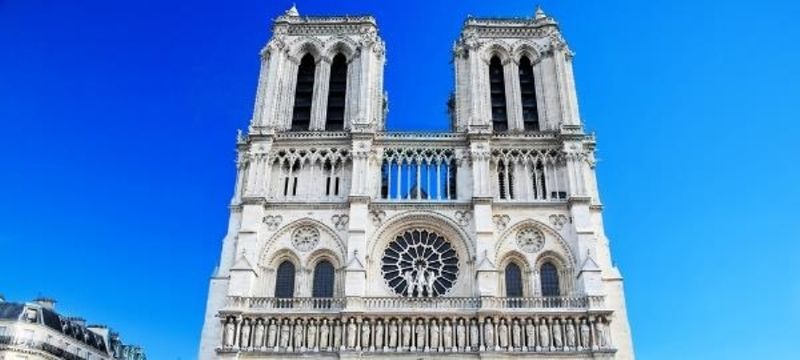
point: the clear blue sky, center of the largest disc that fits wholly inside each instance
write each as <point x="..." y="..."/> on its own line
<point x="117" y="153"/>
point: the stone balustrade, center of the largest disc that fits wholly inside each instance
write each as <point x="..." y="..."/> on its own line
<point x="421" y="334"/>
<point x="383" y="304"/>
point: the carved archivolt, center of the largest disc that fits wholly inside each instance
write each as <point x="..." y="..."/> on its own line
<point x="269" y="248"/>
<point x="508" y="241"/>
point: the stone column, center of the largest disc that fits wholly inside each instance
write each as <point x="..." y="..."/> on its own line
<point x="513" y="95"/>
<point x="319" y="102"/>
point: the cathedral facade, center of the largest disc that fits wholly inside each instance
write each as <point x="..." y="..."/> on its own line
<point x="347" y="241"/>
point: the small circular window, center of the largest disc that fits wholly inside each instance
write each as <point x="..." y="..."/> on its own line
<point x="420" y="263"/>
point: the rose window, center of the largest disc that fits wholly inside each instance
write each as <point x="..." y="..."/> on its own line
<point x="420" y="263"/>
<point x="305" y="238"/>
<point x="530" y="239"/>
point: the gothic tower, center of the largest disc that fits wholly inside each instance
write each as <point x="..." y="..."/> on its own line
<point x="348" y="241"/>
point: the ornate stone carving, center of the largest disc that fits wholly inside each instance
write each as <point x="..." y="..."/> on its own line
<point x="406" y="334"/>
<point x="258" y="338"/>
<point x="305" y="238"/>
<point x="286" y="333"/>
<point x="501" y="221"/>
<point x="544" y="335"/>
<point x="530" y="239"/>
<point x="434" y="329"/>
<point x="420" y="263"/>
<point x="463" y="217"/>
<point x="340" y="221"/>
<point x="351" y="333"/>
<point x="558" y="221"/>
<point x="324" y="333"/>
<point x="299" y="342"/>
<point x="502" y="331"/>
<point x="530" y="333"/>
<point x="378" y="342"/>
<point x="365" y="332"/>
<point x="419" y="330"/>
<point x="272" y="334"/>
<point x="230" y="329"/>
<point x="447" y="335"/>
<point x="273" y="221"/>
<point x="516" y="335"/>
<point x="586" y="335"/>
<point x="393" y="334"/>
<point x="488" y="334"/>
<point x="570" y="334"/>
<point x="311" y="335"/>
<point x="377" y="216"/>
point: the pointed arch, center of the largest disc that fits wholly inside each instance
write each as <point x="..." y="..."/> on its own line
<point x="337" y="93"/>
<point x="562" y="247"/>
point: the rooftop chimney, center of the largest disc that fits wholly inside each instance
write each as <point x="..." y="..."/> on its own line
<point x="45" y="302"/>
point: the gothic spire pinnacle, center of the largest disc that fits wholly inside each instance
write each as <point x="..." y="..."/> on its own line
<point x="539" y="13"/>
<point x="292" y="11"/>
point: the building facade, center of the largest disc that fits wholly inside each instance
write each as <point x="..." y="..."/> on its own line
<point x="35" y="331"/>
<point x="346" y="241"/>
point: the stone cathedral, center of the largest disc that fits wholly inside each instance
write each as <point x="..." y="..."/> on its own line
<point x="348" y="241"/>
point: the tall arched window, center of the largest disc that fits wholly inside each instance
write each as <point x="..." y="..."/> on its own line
<point x="323" y="280"/>
<point x="284" y="280"/>
<point x="513" y="280"/>
<point x="303" y="94"/>
<point x="527" y="87"/>
<point x="549" y="280"/>
<point x="497" y="88"/>
<point x="337" y="88"/>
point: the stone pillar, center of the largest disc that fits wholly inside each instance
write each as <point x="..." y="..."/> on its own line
<point x="513" y="95"/>
<point x="319" y="102"/>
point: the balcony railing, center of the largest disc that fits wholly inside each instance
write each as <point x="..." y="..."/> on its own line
<point x="405" y="303"/>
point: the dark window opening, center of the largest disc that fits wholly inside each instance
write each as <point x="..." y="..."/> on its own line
<point x="549" y="279"/>
<point x="303" y="94"/>
<point x="284" y="280"/>
<point x="497" y="88"/>
<point x="337" y="90"/>
<point x="527" y="87"/>
<point x="513" y="280"/>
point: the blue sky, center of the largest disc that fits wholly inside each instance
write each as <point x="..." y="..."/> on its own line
<point x="118" y="122"/>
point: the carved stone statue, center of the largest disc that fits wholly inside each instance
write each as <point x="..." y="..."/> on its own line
<point x="461" y="334"/>
<point x="365" y="332"/>
<point x="286" y="333"/>
<point x="434" y="340"/>
<point x="244" y="340"/>
<point x="530" y="334"/>
<point x="230" y="329"/>
<point x="447" y="335"/>
<point x="258" y="337"/>
<point x="272" y="334"/>
<point x="378" y="334"/>
<point x="324" y="334"/>
<point x="502" y="331"/>
<point x="516" y="334"/>
<point x="351" y="334"/>
<point x="430" y="280"/>
<point x="393" y="334"/>
<point x="474" y="335"/>
<point x="488" y="333"/>
<point x="337" y="334"/>
<point x="411" y="283"/>
<point x="570" y="334"/>
<point x="419" y="330"/>
<point x="406" y="334"/>
<point x="586" y="334"/>
<point x="544" y="335"/>
<point x="558" y="343"/>
<point x="600" y="334"/>
<point x="311" y="335"/>
<point x="299" y="330"/>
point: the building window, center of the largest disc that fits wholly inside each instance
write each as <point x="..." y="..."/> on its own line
<point x="323" y="280"/>
<point x="527" y="87"/>
<point x="418" y="175"/>
<point x="332" y="177"/>
<point x="303" y="94"/>
<point x="497" y="88"/>
<point x="284" y="280"/>
<point x="505" y="180"/>
<point x="513" y="280"/>
<point x="290" y="179"/>
<point x="549" y="279"/>
<point x="337" y="88"/>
